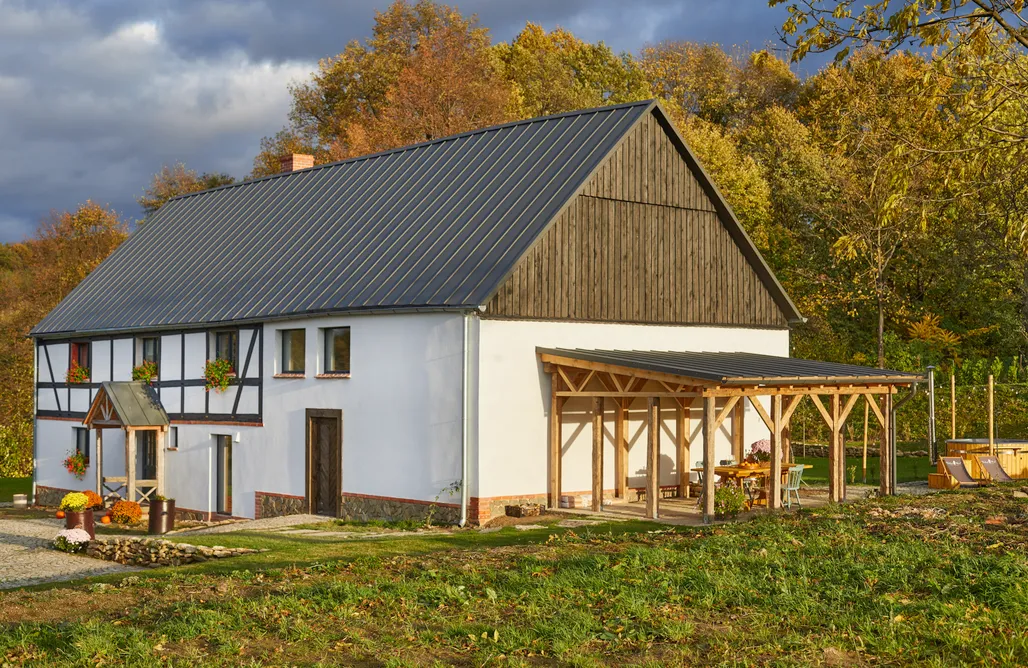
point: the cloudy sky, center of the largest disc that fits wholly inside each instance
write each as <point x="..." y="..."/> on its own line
<point x="95" y="95"/>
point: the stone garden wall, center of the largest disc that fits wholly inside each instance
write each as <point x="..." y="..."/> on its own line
<point x="360" y="507"/>
<point x="155" y="552"/>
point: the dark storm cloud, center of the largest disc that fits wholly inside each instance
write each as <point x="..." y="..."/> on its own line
<point x="96" y="95"/>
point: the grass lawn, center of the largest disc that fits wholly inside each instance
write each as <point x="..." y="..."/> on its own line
<point x="11" y="486"/>
<point x="907" y="469"/>
<point x="899" y="581"/>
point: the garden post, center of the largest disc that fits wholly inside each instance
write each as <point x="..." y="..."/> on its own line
<point x="99" y="461"/>
<point x="774" y="499"/>
<point x="653" y="460"/>
<point x="709" y="433"/>
<point x="597" y="467"/>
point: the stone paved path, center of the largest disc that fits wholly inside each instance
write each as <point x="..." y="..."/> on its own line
<point x="26" y="558"/>
<point x="266" y="524"/>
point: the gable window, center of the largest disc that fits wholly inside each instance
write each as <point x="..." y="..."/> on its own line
<point x="226" y="347"/>
<point x="82" y="442"/>
<point x="149" y="348"/>
<point x="294" y="350"/>
<point x="337" y="350"/>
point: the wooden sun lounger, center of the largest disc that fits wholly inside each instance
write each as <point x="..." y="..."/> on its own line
<point x="990" y="464"/>
<point x="957" y="471"/>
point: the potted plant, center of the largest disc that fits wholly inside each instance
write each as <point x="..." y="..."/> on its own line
<point x="72" y="540"/>
<point x="76" y="373"/>
<point x="77" y="513"/>
<point x="75" y="463"/>
<point x="162" y="515"/>
<point x="94" y="500"/>
<point x="217" y="375"/>
<point x="729" y="501"/>
<point x="145" y="372"/>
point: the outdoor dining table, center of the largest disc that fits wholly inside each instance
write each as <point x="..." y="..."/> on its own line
<point x="736" y="473"/>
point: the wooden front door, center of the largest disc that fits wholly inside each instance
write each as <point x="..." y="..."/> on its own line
<point x="324" y="461"/>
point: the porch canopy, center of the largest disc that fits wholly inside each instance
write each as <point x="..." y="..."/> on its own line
<point x="134" y="407"/>
<point x="722" y="382"/>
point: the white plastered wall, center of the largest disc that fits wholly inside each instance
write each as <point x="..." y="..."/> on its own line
<point x="514" y="403"/>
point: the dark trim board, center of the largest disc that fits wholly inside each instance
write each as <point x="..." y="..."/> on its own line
<point x="250" y="418"/>
<point x="157" y="384"/>
<point x="512" y="318"/>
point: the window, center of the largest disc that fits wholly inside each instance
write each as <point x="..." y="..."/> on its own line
<point x="149" y="348"/>
<point x="172" y="439"/>
<point x="223" y="445"/>
<point x="294" y="348"/>
<point x="226" y="347"/>
<point x="82" y="442"/>
<point x="146" y="446"/>
<point x="337" y="350"/>
<point x="80" y="354"/>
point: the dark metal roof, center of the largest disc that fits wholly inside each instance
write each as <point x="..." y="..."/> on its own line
<point x="435" y="225"/>
<point x="136" y="403"/>
<point x="737" y="368"/>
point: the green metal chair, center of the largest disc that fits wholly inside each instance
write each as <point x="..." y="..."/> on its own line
<point x="792" y="486"/>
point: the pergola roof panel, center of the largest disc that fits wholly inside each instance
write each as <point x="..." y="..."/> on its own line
<point x="733" y="368"/>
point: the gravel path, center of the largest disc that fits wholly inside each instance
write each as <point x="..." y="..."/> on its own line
<point x="26" y="558"/>
<point x="265" y="524"/>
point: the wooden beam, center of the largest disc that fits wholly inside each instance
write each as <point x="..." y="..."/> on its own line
<point x="556" y="406"/>
<point x="992" y="416"/>
<point x="762" y="412"/>
<point x="709" y="433"/>
<point x="614" y="368"/>
<point x="615" y="394"/>
<point x="161" y="435"/>
<point x="790" y="408"/>
<point x="952" y="406"/>
<point x="597" y="468"/>
<point x="98" y="461"/>
<point x="738" y="430"/>
<point x="725" y="410"/>
<point x="850" y="402"/>
<point x="793" y="390"/>
<point x="682" y="437"/>
<point x="620" y="450"/>
<point x="885" y="455"/>
<point x="834" y="490"/>
<point x="653" y="459"/>
<point x="875" y="409"/>
<point x="774" y="495"/>
<point x="821" y="409"/>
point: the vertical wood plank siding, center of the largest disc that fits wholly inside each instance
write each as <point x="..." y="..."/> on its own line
<point x="641" y="243"/>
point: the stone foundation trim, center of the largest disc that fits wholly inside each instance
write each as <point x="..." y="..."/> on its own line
<point x="273" y="504"/>
<point x="363" y="507"/>
<point x="50" y="496"/>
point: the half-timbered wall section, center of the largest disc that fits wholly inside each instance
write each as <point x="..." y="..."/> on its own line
<point x="644" y="242"/>
<point x="181" y="357"/>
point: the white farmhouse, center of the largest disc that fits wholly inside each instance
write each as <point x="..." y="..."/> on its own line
<point x="469" y="322"/>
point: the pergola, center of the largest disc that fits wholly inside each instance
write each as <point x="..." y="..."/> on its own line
<point x="722" y="383"/>
<point x="132" y="406"/>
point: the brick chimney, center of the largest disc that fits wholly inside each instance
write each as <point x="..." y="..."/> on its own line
<point x="294" y="161"/>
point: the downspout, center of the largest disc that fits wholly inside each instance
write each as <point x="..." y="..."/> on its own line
<point x="465" y="391"/>
<point x="892" y="434"/>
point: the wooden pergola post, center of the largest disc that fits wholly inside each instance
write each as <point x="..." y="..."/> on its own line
<point x="130" y="462"/>
<point x="556" y="407"/>
<point x="774" y="499"/>
<point x="162" y="434"/>
<point x="653" y="459"/>
<point x="952" y="406"/>
<point x="738" y="431"/>
<point x="682" y="445"/>
<point x="597" y="467"/>
<point x="992" y="416"/>
<point x="709" y="433"/>
<point x="99" y="459"/>
<point x="885" y="487"/>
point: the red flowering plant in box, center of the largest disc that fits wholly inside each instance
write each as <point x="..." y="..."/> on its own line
<point x="146" y="372"/>
<point x="76" y="464"/>
<point x="76" y="373"/>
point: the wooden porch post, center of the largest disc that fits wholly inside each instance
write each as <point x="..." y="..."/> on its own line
<point x="738" y="429"/>
<point x="620" y="448"/>
<point x="885" y="451"/>
<point x="597" y="454"/>
<point x="556" y="407"/>
<point x="161" y="436"/>
<point x="130" y="462"/>
<point x="774" y="499"/>
<point x="682" y="437"/>
<point x="99" y="461"/>
<point x="834" y="492"/>
<point x="653" y="459"/>
<point x="709" y="433"/>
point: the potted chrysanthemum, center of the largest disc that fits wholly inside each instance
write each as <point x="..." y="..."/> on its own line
<point x="77" y="513"/>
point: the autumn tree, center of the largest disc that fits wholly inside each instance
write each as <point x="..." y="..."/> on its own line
<point x="177" y="180"/>
<point x="554" y="72"/>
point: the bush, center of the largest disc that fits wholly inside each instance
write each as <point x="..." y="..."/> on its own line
<point x="16" y="449"/>
<point x="71" y="540"/>
<point x="126" y="512"/>
<point x="74" y="502"/>
<point x="94" y="500"/>
<point x="729" y="500"/>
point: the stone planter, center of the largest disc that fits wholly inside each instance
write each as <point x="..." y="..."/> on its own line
<point x="162" y="517"/>
<point x="83" y="520"/>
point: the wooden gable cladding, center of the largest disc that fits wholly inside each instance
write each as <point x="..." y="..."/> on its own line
<point x="642" y="243"/>
<point x="647" y="167"/>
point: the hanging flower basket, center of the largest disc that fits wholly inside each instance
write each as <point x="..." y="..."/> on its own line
<point x="76" y="464"/>
<point x="217" y="375"/>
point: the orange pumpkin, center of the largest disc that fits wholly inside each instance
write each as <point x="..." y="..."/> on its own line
<point x="60" y="514"/>
<point x="105" y="520"/>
